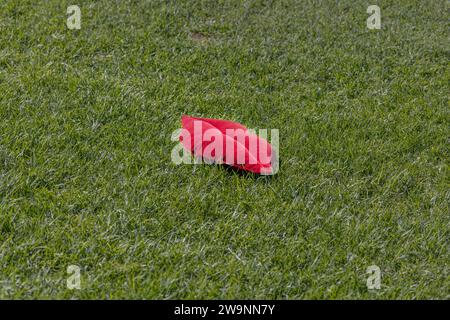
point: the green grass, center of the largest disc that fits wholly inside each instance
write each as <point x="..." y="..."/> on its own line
<point x="85" y="171"/>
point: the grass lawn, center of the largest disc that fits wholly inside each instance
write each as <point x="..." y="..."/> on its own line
<point x="86" y="177"/>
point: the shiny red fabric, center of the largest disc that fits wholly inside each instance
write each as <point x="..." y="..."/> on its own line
<point x="228" y="142"/>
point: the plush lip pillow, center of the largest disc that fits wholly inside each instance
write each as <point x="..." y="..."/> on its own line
<point x="227" y="142"/>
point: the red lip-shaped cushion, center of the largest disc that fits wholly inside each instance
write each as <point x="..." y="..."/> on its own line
<point x="229" y="142"/>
